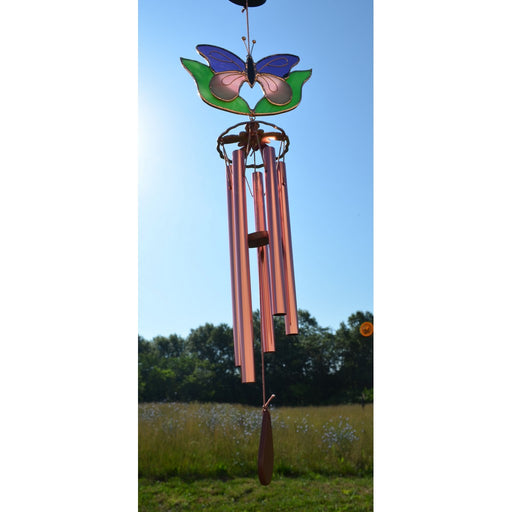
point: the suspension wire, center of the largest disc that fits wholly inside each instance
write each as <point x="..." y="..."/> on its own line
<point x="229" y="172"/>
<point x="247" y="20"/>
<point x="246" y="152"/>
<point x="226" y="158"/>
<point x="262" y="369"/>
<point x="272" y="396"/>
<point x="248" y="186"/>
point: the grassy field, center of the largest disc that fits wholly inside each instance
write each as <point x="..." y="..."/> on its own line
<point x="319" y="494"/>
<point x="221" y="440"/>
<point x="204" y="457"/>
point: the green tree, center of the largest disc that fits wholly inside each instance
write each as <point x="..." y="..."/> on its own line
<point x="216" y="378"/>
<point x="314" y="367"/>
<point x="161" y="368"/>
<point x="301" y="370"/>
<point x="173" y="346"/>
<point x="356" y="373"/>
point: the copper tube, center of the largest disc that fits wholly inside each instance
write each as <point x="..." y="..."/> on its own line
<point x="291" y="320"/>
<point x="232" y="260"/>
<point x="242" y="275"/>
<point x="266" y="323"/>
<point x="274" y="229"/>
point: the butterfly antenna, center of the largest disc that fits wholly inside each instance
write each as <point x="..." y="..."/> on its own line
<point x="253" y="43"/>
<point x="246" y="45"/>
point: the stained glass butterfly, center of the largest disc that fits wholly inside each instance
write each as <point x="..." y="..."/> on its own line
<point x="231" y="72"/>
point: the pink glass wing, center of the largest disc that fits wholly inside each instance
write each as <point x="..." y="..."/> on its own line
<point x="225" y="86"/>
<point x="276" y="90"/>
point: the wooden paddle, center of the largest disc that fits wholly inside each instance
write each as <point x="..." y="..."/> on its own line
<point x="266" y="449"/>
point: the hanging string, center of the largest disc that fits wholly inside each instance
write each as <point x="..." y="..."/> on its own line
<point x="229" y="172"/>
<point x="247" y="20"/>
<point x="262" y="369"/>
<point x="272" y="396"/>
<point x="226" y="158"/>
<point x="281" y="158"/>
<point x="248" y="186"/>
<point x="246" y="180"/>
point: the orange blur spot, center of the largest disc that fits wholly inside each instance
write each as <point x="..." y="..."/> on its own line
<point x="366" y="329"/>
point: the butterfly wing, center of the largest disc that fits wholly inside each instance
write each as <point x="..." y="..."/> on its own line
<point x="276" y="90"/>
<point x="278" y="65"/>
<point x="270" y="74"/>
<point x="226" y="85"/>
<point x="220" y="59"/>
<point x="230" y="73"/>
<point x="229" y="69"/>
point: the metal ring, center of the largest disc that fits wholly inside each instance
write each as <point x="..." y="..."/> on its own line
<point x="231" y="139"/>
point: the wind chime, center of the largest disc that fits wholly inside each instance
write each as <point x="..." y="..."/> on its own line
<point x="219" y="86"/>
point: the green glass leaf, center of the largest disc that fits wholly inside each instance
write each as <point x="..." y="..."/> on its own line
<point x="295" y="80"/>
<point x="202" y="75"/>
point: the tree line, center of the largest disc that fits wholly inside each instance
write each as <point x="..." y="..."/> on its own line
<point x="315" y="367"/>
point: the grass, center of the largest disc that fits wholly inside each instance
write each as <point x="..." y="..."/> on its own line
<point x="194" y="441"/>
<point x="317" y="494"/>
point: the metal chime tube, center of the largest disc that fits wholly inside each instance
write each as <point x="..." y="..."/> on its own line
<point x="266" y="324"/>
<point x="291" y="320"/>
<point x="274" y="229"/>
<point x="232" y="259"/>
<point x="242" y="274"/>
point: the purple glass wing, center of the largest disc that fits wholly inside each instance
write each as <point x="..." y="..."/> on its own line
<point x="220" y="59"/>
<point x="278" y="65"/>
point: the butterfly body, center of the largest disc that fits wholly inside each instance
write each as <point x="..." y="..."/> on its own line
<point x="231" y="72"/>
<point x="250" y="70"/>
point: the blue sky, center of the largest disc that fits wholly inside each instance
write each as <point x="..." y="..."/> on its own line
<point x="184" y="276"/>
